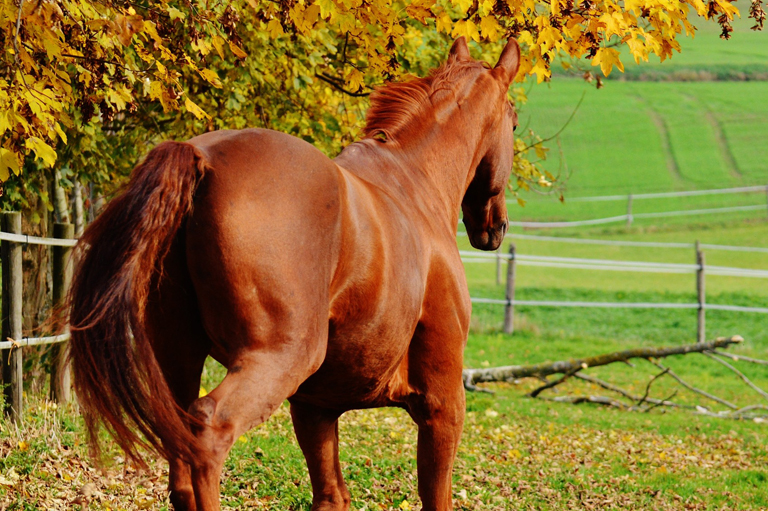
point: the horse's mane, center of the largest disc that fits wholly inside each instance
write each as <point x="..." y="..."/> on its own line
<point x="394" y="106"/>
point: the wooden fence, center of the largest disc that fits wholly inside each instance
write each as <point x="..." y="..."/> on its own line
<point x="13" y="338"/>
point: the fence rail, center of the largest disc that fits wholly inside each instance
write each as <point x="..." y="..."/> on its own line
<point x="36" y="240"/>
<point x="629" y="217"/>
<point x="664" y="195"/>
<point x="626" y="243"/>
<point x="612" y="265"/>
<point x="699" y="269"/>
<point x="618" y="305"/>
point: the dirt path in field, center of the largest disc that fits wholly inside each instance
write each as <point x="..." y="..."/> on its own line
<point x="666" y="143"/>
<point x="725" y="150"/>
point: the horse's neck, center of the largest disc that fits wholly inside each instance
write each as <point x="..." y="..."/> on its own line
<point x="442" y="166"/>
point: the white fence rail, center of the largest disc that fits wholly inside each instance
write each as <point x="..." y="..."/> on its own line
<point x="666" y="195"/>
<point x="622" y="243"/>
<point x="699" y="269"/>
<point x="629" y="217"/>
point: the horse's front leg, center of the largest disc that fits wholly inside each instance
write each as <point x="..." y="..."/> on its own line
<point x="436" y="403"/>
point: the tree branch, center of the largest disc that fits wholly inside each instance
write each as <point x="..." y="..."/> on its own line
<point x="338" y="87"/>
<point x="741" y="357"/>
<point x="660" y="401"/>
<point x="648" y="387"/>
<point x="613" y="388"/>
<point x="575" y="400"/>
<point x="738" y="373"/>
<point x="694" y="389"/>
<point x="557" y="382"/>
<point x="510" y="373"/>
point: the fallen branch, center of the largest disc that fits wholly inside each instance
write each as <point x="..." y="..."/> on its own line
<point x="648" y="387"/>
<point x="600" y="400"/>
<point x="628" y="395"/>
<point x="740" y="414"/>
<point x="695" y="389"/>
<point x="555" y="383"/>
<point x="511" y="373"/>
<point x="741" y="358"/>
<point x="661" y="401"/>
<point x="738" y="373"/>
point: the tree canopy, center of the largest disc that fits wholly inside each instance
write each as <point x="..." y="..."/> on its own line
<point x="86" y="86"/>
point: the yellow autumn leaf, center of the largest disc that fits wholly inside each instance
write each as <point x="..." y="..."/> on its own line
<point x="549" y="38"/>
<point x="41" y="150"/>
<point x="606" y="58"/>
<point x="490" y="28"/>
<point x="239" y="53"/>
<point x="541" y="70"/>
<point x="405" y="505"/>
<point x="194" y="109"/>
<point x="444" y="23"/>
<point x="355" y="80"/>
<point x="327" y="8"/>
<point x="466" y="28"/>
<point x="174" y="13"/>
<point x="211" y="77"/>
<point x="275" y="28"/>
<point x="202" y="392"/>
<point x="463" y="5"/>
<point x="9" y="164"/>
<point x="218" y="43"/>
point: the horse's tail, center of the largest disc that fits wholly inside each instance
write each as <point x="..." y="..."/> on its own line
<point x="117" y="378"/>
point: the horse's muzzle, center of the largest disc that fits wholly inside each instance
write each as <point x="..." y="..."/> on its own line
<point x="489" y="239"/>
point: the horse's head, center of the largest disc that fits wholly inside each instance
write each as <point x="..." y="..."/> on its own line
<point x="484" y="203"/>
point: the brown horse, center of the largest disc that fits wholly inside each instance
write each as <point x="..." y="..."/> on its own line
<point x="335" y="284"/>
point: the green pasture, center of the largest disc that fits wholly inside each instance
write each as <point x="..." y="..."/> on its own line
<point x="637" y="137"/>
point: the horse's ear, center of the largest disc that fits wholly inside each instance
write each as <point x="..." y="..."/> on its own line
<point x="460" y="49"/>
<point x="509" y="62"/>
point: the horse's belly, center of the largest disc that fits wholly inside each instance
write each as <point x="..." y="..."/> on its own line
<point x="361" y="361"/>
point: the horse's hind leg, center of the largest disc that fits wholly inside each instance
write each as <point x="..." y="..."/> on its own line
<point x="317" y="431"/>
<point x="257" y="383"/>
<point x="181" y="347"/>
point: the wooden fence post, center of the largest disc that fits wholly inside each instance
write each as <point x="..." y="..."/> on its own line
<point x="509" y="310"/>
<point x="701" y="294"/>
<point x="498" y="265"/>
<point x="12" y="317"/>
<point x="629" y="211"/>
<point x="62" y="276"/>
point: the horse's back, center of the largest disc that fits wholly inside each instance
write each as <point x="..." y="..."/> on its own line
<point x="261" y="240"/>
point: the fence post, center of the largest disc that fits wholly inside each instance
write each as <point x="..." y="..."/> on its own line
<point x="62" y="276"/>
<point x="12" y="317"/>
<point x="629" y="211"/>
<point x="498" y="265"/>
<point x="701" y="294"/>
<point x="509" y="310"/>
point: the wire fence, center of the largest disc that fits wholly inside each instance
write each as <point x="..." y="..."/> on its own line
<point x="623" y="243"/>
<point x="612" y="264"/>
<point x="513" y="259"/>
<point x="666" y="195"/>
<point x="629" y="217"/>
